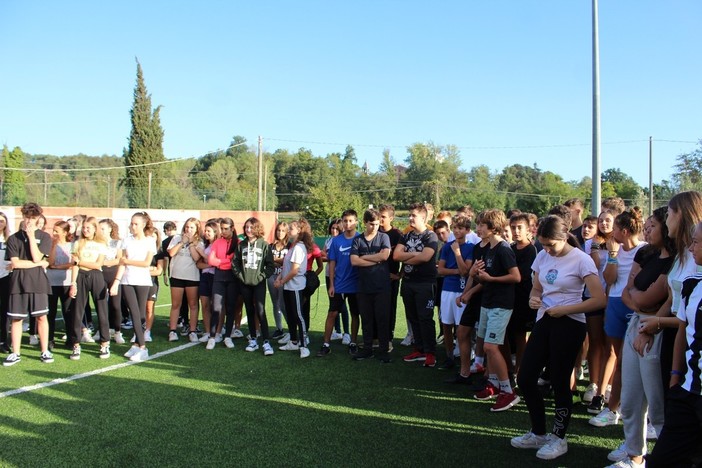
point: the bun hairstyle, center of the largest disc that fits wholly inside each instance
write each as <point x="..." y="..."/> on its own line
<point x="555" y="228"/>
<point x="631" y="220"/>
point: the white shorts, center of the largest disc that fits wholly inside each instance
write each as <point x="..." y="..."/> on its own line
<point x="450" y="313"/>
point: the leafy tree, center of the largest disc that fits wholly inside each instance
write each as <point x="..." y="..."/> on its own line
<point x="689" y="170"/>
<point x="532" y="190"/>
<point x="431" y="168"/>
<point x="623" y="185"/>
<point x="145" y="147"/>
<point x="13" y="183"/>
<point x="328" y="200"/>
<point x="481" y="192"/>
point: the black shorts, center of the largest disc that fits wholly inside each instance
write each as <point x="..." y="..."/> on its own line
<point x="153" y="293"/>
<point x="204" y="289"/>
<point x="337" y="302"/>
<point x="181" y="283"/>
<point x="470" y="316"/>
<point x="22" y="306"/>
<point x="595" y="313"/>
<point x="522" y="320"/>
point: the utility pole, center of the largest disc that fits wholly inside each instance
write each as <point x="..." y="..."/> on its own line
<point x="265" y="189"/>
<point x="596" y="172"/>
<point x="260" y="174"/>
<point x="650" y="176"/>
<point x="109" y="186"/>
<point x="148" y="200"/>
<point x="45" y="186"/>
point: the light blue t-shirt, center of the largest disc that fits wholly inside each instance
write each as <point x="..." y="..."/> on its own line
<point x="345" y="276"/>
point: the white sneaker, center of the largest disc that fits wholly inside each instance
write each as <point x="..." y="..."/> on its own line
<point x="172" y="336"/>
<point x="285" y="339"/>
<point x="204" y="338"/>
<point x="210" y="344"/>
<point x="605" y="418"/>
<point x="304" y="352"/>
<point x="105" y="351"/>
<point x="529" y="441"/>
<point x="336" y="336"/>
<point x="408" y="340"/>
<point x="33" y="340"/>
<point x="618" y="454"/>
<point x="581" y="374"/>
<point x="147" y="336"/>
<point x="346" y="339"/>
<point x="456" y="352"/>
<point x="554" y="448"/>
<point x="237" y="333"/>
<point x="289" y="346"/>
<point x="86" y="338"/>
<point x="132" y="351"/>
<point x="253" y="346"/>
<point x="307" y="340"/>
<point x="590" y="392"/>
<point x="133" y="340"/>
<point x="193" y="337"/>
<point x="651" y="433"/>
<point x="140" y="355"/>
<point x="218" y="338"/>
<point x="228" y="343"/>
<point x="119" y="339"/>
<point x="267" y="349"/>
<point x="75" y="355"/>
<point x="607" y="393"/>
<point x="96" y="336"/>
<point x="627" y="463"/>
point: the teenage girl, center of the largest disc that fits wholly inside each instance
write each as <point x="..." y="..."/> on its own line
<point x="278" y="248"/>
<point x="59" y="273"/>
<point x="4" y="283"/>
<point x="207" y="279"/>
<point x="110" y="232"/>
<point x="225" y="290"/>
<point x="185" y="276"/>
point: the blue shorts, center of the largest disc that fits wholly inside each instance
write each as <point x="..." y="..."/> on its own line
<point x="493" y="325"/>
<point x="616" y="318"/>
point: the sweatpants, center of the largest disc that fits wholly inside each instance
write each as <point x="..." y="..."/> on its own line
<point x="224" y="296"/>
<point x="554" y="343"/>
<point x="642" y="389"/>
<point x="296" y="321"/>
<point x="90" y="282"/>
<point x="255" y="303"/>
<point x="60" y="294"/>
<point x="278" y="302"/>
<point x="374" y="315"/>
<point x="392" y="318"/>
<point x="419" y="308"/>
<point x="135" y="298"/>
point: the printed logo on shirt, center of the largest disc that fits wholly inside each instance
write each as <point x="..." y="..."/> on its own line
<point x="551" y="276"/>
<point x="344" y="249"/>
<point x="414" y="244"/>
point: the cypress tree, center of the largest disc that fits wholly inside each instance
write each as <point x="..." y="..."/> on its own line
<point x="14" y="190"/>
<point x="145" y="146"/>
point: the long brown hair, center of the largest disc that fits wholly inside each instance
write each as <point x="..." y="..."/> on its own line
<point x="689" y="205"/>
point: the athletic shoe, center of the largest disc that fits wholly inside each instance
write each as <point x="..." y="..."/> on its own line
<point x="429" y="360"/>
<point x="324" y="351"/>
<point x="11" y="360"/>
<point x="140" y="355"/>
<point x="267" y="349"/>
<point x="596" y="405"/>
<point x="409" y="339"/>
<point x="277" y="334"/>
<point x="459" y="379"/>
<point x="415" y="356"/>
<point x="228" y="343"/>
<point x="284" y="340"/>
<point x="133" y="339"/>
<point x="237" y="333"/>
<point x="173" y="336"/>
<point x="193" y="337"/>
<point x="86" y="338"/>
<point x="627" y="463"/>
<point x="529" y="441"/>
<point x="204" y="338"/>
<point x="75" y="355"/>
<point x="119" y="339"/>
<point x="554" y="448"/>
<point x="346" y="339"/>
<point x="580" y="373"/>
<point x="127" y="324"/>
<point x="132" y="351"/>
<point x="607" y="393"/>
<point x="440" y="339"/>
<point x="487" y="393"/>
<point x="147" y="336"/>
<point x="184" y="330"/>
<point x="33" y="340"/>
<point x="651" y="433"/>
<point x="353" y="349"/>
<point x="618" y="454"/>
<point x="476" y="368"/>
<point x="25" y="326"/>
<point x="96" y="336"/>
<point x="253" y="346"/>
<point x="218" y="338"/>
<point x="304" y="352"/>
<point x="336" y="336"/>
<point x="46" y="357"/>
<point x="505" y="401"/>
<point x="104" y="352"/>
<point x="290" y="346"/>
<point x="590" y="393"/>
<point x="447" y="364"/>
<point x="605" y="418"/>
<point x="362" y="355"/>
<point x="210" y="344"/>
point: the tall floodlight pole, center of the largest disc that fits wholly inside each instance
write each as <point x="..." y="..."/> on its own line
<point x="596" y="172"/>
<point x="650" y="176"/>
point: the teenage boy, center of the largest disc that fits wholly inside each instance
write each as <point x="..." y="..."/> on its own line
<point x="28" y="250"/>
<point x="387" y="215"/>
<point x="467" y="211"/>
<point x="442" y="229"/>
<point x="344" y="282"/>
<point x="575" y="205"/>
<point x="454" y="264"/>
<point x="497" y="273"/>
<point x="417" y="251"/>
<point x="369" y="254"/>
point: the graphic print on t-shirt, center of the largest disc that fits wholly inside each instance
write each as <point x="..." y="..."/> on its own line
<point x="551" y="276"/>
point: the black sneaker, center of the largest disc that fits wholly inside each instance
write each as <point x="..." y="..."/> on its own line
<point x="46" y="357"/>
<point x="384" y="358"/>
<point x="447" y="364"/>
<point x="277" y="334"/>
<point x="596" y="405"/>
<point x="11" y="360"/>
<point x="127" y="324"/>
<point x="324" y="351"/>
<point x="361" y="355"/>
<point x="459" y="379"/>
<point x="353" y="348"/>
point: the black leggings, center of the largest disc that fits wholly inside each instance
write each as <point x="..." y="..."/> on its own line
<point x="135" y="298"/>
<point x="255" y="303"/>
<point x="60" y="293"/>
<point x="555" y="343"/>
<point x="294" y="303"/>
<point x="224" y="297"/>
<point x="114" y="303"/>
<point x="90" y="282"/>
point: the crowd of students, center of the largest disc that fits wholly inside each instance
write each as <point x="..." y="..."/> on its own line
<point x="526" y="305"/>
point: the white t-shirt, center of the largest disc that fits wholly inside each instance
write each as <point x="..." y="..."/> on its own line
<point x="183" y="266"/>
<point x="62" y="256"/>
<point x="3" y="263"/>
<point x="90" y="251"/>
<point x="113" y="246"/>
<point x="626" y="261"/>
<point x="297" y="254"/>
<point x="562" y="279"/>
<point x="138" y="249"/>
<point x="677" y="275"/>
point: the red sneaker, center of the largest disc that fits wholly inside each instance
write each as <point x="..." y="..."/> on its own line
<point x="430" y="360"/>
<point x="488" y="393"/>
<point x="415" y="356"/>
<point x="505" y="401"/>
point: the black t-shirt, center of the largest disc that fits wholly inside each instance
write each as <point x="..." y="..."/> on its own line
<point x="28" y="280"/>
<point x="498" y="260"/>
<point x="477" y="299"/>
<point x="413" y="242"/>
<point x="652" y="266"/>
<point x="525" y="258"/>
<point x="578" y="233"/>
<point x="376" y="278"/>
<point x="395" y="236"/>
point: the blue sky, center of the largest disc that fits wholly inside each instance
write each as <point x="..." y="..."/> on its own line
<point x="506" y="81"/>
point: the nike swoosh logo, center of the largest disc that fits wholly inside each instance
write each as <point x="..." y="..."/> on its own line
<point x="341" y="249"/>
